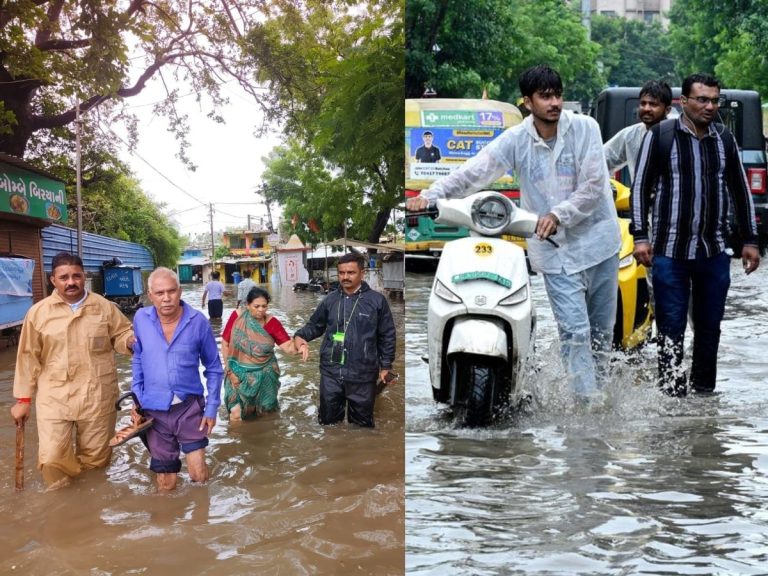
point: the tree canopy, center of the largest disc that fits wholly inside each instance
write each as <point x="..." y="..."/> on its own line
<point x="729" y="39"/>
<point x="59" y="54"/>
<point x="335" y="73"/>
<point x="458" y="48"/>
<point x="633" y="52"/>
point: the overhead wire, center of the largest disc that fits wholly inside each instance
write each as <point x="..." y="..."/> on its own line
<point x="182" y="190"/>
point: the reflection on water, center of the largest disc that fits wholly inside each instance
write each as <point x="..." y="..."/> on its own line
<point x="643" y="484"/>
<point x="286" y="496"/>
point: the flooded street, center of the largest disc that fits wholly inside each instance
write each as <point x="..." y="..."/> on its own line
<point x="286" y="496"/>
<point x="644" y="484"/>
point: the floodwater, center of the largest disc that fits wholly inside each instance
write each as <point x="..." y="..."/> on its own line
<point x="286" y="496"/>
<point x="643" y="484"/>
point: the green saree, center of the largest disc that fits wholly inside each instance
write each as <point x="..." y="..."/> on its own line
<point x="252" y="361"/>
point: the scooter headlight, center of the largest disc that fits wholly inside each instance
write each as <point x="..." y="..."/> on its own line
<point x="626" y="261"/>
<point x="491" y="213"/>
<point x="519" y="295"/>
<point x="444" y="293"/>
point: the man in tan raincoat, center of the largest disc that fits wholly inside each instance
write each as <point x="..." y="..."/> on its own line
<point x="66" y="361"/>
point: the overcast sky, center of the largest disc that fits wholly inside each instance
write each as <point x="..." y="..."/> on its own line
<point x="228" y="158"/>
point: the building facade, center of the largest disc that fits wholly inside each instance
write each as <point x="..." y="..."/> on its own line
<point x="645" y="10"/>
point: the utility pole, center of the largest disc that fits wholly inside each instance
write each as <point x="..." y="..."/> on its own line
<point x="269" y="216"/>
<point x="77" y="184"/>
<point x="213" y="247"/>
<point x="586" y="10"/>
<point x="263" y="192"/>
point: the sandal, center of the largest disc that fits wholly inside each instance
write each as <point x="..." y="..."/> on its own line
<point x="139" y="423"/>
<point x="137" y="427"/>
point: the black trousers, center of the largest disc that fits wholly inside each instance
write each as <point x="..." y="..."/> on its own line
<point x="215" y="308"/>
<point x="357" y="397"/>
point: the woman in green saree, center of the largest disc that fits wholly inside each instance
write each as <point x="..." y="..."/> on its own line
<point x="251" y="372"/>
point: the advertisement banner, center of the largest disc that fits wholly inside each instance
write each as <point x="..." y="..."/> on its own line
<point x="16" y="276"/>
<point x="436" y="152"/>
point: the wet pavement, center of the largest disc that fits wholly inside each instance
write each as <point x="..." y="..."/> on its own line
<point x="286" y="496"/>
<point x="642" y="484"/>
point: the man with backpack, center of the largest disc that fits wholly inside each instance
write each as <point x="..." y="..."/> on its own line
<point x="689" y="171"/>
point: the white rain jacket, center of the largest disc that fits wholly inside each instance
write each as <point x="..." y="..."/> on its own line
<point x="622" y="149"/>
<point x="571" y="181"/>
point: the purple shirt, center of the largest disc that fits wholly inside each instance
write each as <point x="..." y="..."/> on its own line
<point x="162" y="369"/>
<point x="215" y="290"/>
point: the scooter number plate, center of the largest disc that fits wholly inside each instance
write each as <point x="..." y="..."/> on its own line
<point x="483" y="249"/>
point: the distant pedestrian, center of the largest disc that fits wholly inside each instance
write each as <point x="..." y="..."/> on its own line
<point x="622" y="149"/>
<point x="244" y="287"/>
<point x="358" y="345"/>
<point x="214" y="292"/>
<point x="173" y="340"/>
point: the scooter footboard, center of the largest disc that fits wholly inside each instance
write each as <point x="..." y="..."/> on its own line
<point x="483" y="337"/>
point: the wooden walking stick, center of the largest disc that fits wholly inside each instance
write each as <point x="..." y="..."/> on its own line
<point x="20" y="456"/>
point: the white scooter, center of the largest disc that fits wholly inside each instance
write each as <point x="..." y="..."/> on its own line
<point x="481" y="320"/>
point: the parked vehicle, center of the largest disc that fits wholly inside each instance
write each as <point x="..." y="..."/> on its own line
<point x="634" y="313"/>
<point x="459" y="129"/>
<point x="615" y="108"/>
<point x="123" y="284"/>
<point x="481" y="320"/>
<point x="319" y="285"/>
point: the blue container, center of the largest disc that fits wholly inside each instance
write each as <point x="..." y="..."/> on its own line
<point x="123" y="281"/>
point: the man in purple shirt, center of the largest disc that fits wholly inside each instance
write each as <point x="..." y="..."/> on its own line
<point x="172" y="340"/>
<point x="214" y="293"/>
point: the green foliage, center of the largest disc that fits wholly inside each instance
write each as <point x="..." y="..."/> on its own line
<point x="313" y="193"/>
<point x="728" y="39"/>
<point x="115" y="206"/>
<point x="335" y="72"/>
<point x="95" y="53"/>
<point x="113" y="203"/>
<point x="221" y="251"/>
<point x="633" y="52"/>
<point x="458" y="47"/>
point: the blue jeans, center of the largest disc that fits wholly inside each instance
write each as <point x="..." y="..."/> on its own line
<point x="584" y="306"/>
<point x="706" y="281"/>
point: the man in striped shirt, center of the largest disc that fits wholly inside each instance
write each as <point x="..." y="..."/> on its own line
<point x="689" y="192"/>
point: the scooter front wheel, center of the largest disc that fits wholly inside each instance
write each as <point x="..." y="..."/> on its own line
<point x="482" y="386"/>
<point x="482" y="392"/>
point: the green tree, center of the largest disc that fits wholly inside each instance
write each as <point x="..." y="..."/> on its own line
<point x="317" y="200"/>
<point x="56" y="54"/>
<point x="633" y="52"/>
<point x="114" y="205"/>
<point x="335" y="72"/>
<point x="458" y="48"/>
<point x="729" y="39"/>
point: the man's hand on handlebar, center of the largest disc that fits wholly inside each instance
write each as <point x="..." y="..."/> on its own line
<point x="416" y="204"/>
